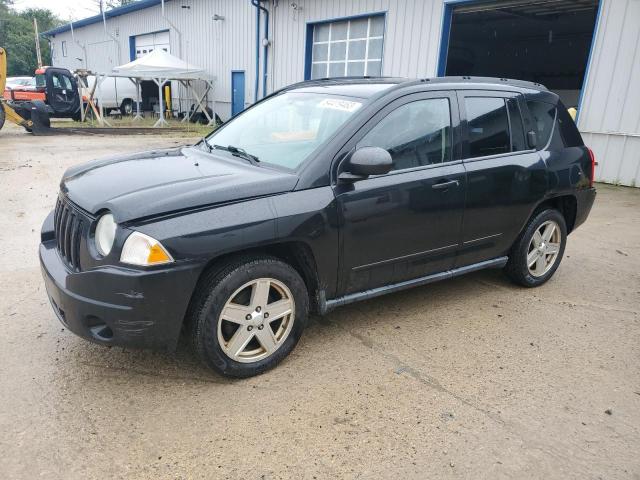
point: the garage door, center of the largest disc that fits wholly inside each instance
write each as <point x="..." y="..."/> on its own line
<point x="152" y="41"/>
<point x="544" y="41"/>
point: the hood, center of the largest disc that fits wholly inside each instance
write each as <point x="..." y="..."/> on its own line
<point x="157" y="182"/>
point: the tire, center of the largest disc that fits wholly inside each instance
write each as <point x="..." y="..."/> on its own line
<point x="126" y="108"/>
<point x="2" y="116"/>
<point x="215" y="338"/>
<point x="546" y="253"/>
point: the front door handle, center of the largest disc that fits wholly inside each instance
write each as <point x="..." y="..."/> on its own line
<point x="445" y="185"/>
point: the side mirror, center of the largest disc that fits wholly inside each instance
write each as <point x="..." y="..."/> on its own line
<point x="532" y="139"/>
<point x="366" y="161"/>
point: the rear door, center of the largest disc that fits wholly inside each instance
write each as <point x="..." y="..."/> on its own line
<point x="505" y="178"/>
<point x="405" y="224"/>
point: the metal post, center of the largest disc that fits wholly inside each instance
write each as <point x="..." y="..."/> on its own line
<point x="138" y="101"/>
<point x="101" y="119"/>
<point x="38" y="54"/>
<point x="161" y="121"/>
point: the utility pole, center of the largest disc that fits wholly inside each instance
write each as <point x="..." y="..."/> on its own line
<point x="38" y="53"/>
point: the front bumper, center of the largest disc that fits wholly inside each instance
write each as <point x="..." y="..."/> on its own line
<point x="119" y="306"/>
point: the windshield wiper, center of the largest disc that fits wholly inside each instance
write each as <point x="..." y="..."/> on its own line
<point x="238" y="152"/>
<point x="207" y="144"/>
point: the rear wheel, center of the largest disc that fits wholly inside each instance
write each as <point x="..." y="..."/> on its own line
<point x="536" y="255"/>
<point x="2" y="116"/>
<point x="250" y="315"/>
<point x="126" y="108"/>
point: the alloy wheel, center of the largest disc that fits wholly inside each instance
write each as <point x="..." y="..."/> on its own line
<point x="256" y="320"/>
<point x="544" y="248"/>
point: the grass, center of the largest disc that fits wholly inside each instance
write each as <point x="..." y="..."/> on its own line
<point x="175" y="126"/>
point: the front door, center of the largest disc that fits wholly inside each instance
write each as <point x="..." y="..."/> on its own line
<point x="405" y="224"/>
<point x="62" y="92"/>
<point x="237" y="92"/>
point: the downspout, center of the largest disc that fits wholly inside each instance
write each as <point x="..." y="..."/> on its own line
<point x="115" y="40"/>
<point x="177" y="30"/>
<point x="265" y="51"/>
<point x="172" y="25"/>
<point x="257" y="83"/>
<point x="83" y="47"/>
<point x="265" y="47"/>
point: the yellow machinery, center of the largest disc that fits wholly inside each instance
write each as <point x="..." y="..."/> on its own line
<point x="6" y="111"/>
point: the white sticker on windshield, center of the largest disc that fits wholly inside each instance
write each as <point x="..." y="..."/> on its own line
<point x="343" y="105"/>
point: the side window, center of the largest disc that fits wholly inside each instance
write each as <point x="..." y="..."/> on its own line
<point x="544" y="115"/>
<point x="415" y="134"/>
<point x="56" y="81"/>
<point x="66" y="82"/>
<point x="518" y="143"/>
<point x="488" y="126"/>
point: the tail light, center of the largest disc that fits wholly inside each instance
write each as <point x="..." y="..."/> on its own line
<point x="592" y="175"/>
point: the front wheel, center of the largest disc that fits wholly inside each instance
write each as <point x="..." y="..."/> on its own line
<point x="249" y="316"/>
<point x="2" y="115"/>
<point x="537" y="253"/>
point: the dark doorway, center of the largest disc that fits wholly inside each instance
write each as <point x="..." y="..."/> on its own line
<point x="149" y="95"/>
<point x="544" y="41"/>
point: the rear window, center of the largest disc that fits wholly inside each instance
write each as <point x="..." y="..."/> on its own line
<point x="568" y="129"/>
<point x="544" y="115"/>
<point x="488" y="126"/>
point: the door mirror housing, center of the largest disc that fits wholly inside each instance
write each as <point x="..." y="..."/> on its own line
<point x="366" y="161"/>
<point x="532" y="139"/>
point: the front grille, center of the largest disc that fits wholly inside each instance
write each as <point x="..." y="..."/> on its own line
<point x="70" y="224"/>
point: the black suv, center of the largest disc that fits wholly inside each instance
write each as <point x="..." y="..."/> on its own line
<point x="322" y="194"/>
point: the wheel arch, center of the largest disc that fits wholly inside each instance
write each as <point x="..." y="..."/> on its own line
<point x="567" y="205"/>
<point x="298" y="254"/>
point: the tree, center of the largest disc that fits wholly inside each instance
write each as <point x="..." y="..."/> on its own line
<point x="17" y="37"/>
<point x="109" y="4"/>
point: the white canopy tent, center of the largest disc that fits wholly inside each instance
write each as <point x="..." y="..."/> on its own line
<point x="160" y="67"/>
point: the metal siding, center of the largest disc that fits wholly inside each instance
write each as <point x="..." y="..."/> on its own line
<point x="610" y="116"/>
<point x="610" y="103"/>
<point x="412" y="35"/>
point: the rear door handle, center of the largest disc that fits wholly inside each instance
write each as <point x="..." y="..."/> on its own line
<point x="445" y="185"/>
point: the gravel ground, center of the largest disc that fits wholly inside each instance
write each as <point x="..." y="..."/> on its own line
<point x="468" y="378"/>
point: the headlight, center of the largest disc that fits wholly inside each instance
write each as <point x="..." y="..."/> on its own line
<point x="105" y="234"/>
<point x="141" y="249"/>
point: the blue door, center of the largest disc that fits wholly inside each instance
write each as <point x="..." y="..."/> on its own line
<point x="237" y="92"/>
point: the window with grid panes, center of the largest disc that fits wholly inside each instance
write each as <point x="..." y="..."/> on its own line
<point x="348" y="48"/>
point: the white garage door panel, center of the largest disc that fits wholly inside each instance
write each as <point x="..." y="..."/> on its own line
<point x="152" y="41"/>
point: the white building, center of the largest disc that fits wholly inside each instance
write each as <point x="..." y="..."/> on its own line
<point x="588" y="51"/>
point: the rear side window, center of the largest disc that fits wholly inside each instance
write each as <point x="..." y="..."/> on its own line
<point x="544" y="115"/>
<point x="488" y="125"/>
<point x="568" y="129"/>
<point x="517" y="129"/>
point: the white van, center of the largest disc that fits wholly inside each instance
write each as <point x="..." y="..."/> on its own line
<point x="115" y="92"/>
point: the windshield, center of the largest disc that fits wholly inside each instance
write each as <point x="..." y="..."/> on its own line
<point x="287" y="128"/>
